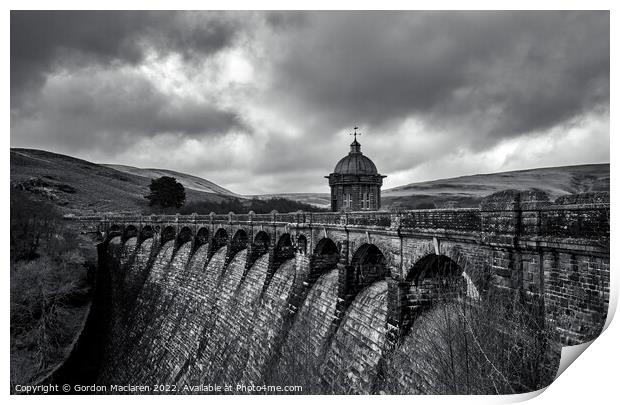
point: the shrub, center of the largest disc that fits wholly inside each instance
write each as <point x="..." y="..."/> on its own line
<point x="48" y="287"/>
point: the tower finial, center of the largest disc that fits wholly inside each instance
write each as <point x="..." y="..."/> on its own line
<point x="355" y="146"/>
<point x="355" y="134"/>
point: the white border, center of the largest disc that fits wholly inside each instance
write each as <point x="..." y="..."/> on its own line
<point x="592" y="379"/>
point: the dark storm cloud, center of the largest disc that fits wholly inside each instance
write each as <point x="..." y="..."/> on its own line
<point x="494" y="74"/>
<point x="44" y="40"/>
<point x="270" y="95"/>
<point x="113" y="110"/>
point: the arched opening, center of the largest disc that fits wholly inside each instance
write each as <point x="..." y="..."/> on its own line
<point x="433" y="266"/>
<point x="284" y="249"/>
<point x="114" y="231"/>
<point x="260" y="246"/>
<point x="302" y="244"/>
<point x="167" y="234"/>
<point x="325" y="256"/>
<point x="326" y="247"/>
<point x="435" y="277"/>
<point x="220" y="239"/>
<point x="261" y="243"/>
<point x="146" y="232"/>
<point x="130" y="232"/>
<point x="185" y="235"/>
<point x="202" y="237"/>
<point x="239" y="242"/>
<point x="369" y="265"/>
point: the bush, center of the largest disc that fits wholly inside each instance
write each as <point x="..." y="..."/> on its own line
<point x="48" y="287"/>
<point x="495" y="345"/>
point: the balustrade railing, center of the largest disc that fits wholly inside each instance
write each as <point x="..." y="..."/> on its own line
<point x="382" y="219"/>
<point x="562" y="221"/>
<point x="262" y="217"/>
<point x="457" y="219"/>
<point x="586" y="222"/>
<point x="324" y="218"/>
<point x="288" y="218"/>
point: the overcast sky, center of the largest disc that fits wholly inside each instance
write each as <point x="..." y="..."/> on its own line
<point x="263" y="102"/>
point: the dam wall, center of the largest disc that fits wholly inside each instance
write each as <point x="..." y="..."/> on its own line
<point x="339" y="303"/>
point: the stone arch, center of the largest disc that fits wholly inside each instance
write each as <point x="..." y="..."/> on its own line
<point x="325" y="256"/>
<point x="185" y="235"/>
<point x="435" y="277"/>
<point x="432" y="266"/>
<point x="114" y="231"/>
<point x="129" y="232"/>
<point x="388" y="249"/>
<point x="258" y="247"/>
<point x="146" y="232"/>
<point x="326" y="246"/>
<point x="202" y="237"/>
<point x="238" y="242"/>
<point x="284" y="249"/>
<point x="220" y="239"/>
<point x="368" y="265"/>
<point x="476" y="283"/>
<point x="167" y="234"/>
<point x="475" y="270"/>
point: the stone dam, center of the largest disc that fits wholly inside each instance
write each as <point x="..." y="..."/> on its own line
<point x="328" y="300"/>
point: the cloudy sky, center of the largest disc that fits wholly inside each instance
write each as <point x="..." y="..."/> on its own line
<point x="263" y="102"/>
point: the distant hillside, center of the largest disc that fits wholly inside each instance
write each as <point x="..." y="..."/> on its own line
<point x="188" y="181"/>
<point x="317" y="199"/>
<point x="81" y="187"/>
<point x="467" y="191"/>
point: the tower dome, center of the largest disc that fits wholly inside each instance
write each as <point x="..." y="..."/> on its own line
<point x="355" y="162"/>
<point x="355" y="183"/>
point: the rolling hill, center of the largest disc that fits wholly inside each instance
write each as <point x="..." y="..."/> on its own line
<point x="467" y="191"/>
<point x="316" y="199"/>
<point x="81" y="187"/>
<point x="189" y="182"/>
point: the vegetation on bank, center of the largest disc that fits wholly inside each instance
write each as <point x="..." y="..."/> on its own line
<point x="496" y="345"/>
<point x="50" y="289"/>
<point x="243" y="207"/>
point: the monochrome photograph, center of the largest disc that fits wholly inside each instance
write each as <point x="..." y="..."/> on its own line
<point x="306" y="202"/>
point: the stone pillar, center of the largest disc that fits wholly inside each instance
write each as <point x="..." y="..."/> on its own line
<point x="346" y="277"/>
<point x="272" y="262"/>
<point x="398" y="319"/>
<point x="229" y="252"/>
<point x="506" y="217"/>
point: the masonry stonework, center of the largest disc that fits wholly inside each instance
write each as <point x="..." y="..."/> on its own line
<point x="330" y="298"/>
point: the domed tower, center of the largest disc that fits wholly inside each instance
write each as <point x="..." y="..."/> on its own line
<point x="355" y="183"/>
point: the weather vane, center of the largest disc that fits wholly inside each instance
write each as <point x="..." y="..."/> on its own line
<point x="355" y="133"/>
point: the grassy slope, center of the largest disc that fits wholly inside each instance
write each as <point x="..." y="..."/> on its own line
<point x="101" y="188"/>
<point x="97" y="188"/>
<point x="468" y="190"/>
<point x="317" y="199"/>
<point x="188" y="181"/>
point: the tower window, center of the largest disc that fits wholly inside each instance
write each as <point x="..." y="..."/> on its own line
<point x="365" y="201"/>
<point x="347" y="200"/>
